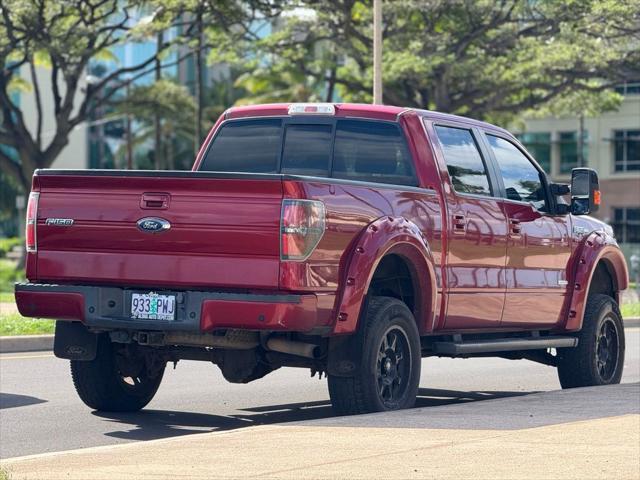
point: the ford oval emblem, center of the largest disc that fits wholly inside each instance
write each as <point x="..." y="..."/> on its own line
<point x="153" y="224"/>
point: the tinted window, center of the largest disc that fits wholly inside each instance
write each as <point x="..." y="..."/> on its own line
<point x="464" y="163"/>
<point x="373" y="152"/>
<point x="307" y="149"/>
<point x="245" y="146"/>
<point x="521" y="178"/>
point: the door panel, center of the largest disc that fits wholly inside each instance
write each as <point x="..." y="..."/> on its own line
<point x="536" y="274"/>
<point x="476" y="235"/>
<point x="538" y="246"/>
<point x="475" y="264"/>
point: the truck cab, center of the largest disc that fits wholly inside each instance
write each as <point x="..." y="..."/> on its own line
<point x="349" y="239"/>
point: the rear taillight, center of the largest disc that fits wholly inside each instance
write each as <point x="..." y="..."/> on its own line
<point x="301" y="228"/>
<point x="32" y="221"/>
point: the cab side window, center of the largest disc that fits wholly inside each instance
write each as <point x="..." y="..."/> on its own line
<point x="465" y="165"/>
<point x="522" y="180"/>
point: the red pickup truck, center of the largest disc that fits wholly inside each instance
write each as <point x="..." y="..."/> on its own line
<point x="348" y="239"/>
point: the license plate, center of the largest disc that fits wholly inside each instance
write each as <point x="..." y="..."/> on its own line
<point x="151" y="306"/>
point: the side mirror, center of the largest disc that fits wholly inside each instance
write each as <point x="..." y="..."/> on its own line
<point x="585" y="191"/>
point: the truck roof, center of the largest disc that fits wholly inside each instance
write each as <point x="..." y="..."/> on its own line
<point x="366" y="110"/>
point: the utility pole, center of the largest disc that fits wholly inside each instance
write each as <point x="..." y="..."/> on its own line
<point x="377" y="51"/>
<point x="198" y="87"/>
<point x="157" y="121"/>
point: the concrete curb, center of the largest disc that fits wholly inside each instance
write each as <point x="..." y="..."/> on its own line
<point x="632" y="322"/>
<point x="32" y="343"/>
<point x="26" y="343"/>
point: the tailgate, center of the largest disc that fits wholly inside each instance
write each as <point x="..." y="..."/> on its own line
<point x="224" y="231"/>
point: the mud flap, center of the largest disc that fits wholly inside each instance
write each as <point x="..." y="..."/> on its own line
<point x="74" y="341"/>
<point x="345" y="354"/>
<point x="345" y="351"/>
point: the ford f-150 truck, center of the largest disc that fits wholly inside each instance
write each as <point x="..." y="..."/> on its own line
<point x="348" y="239"/>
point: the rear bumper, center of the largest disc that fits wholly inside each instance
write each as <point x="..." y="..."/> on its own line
<point x="196" y="311"/>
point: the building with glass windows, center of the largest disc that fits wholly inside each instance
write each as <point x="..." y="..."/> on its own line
<point x="611" y="145"/>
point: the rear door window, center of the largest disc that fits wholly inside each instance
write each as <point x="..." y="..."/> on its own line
<point x="466" y="168"/>
<point x="372" y="152"/>
<point x="246" y="146"/>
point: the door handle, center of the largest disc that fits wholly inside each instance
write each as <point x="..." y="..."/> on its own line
<point x="459" y="223"/>
<point x="514" y="226"/>
<point x="155" y="201"/>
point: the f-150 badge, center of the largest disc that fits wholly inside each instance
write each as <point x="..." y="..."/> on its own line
<point x="59" y="222"/>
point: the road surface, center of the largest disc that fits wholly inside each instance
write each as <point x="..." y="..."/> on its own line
<point x="40" y="412"/>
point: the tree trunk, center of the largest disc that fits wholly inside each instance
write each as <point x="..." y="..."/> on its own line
<point x="331" y="84"/>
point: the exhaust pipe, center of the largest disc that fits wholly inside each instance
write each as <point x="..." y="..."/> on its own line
<point x="300" y="349"/>
<point x="232" y="339"/>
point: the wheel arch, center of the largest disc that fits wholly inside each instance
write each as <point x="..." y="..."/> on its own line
<point x="388" y="239"/>
<point x="601" y="268"/>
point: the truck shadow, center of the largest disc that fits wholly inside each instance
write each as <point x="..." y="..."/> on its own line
<point x="12" y="400"/>
<point x="154" y="424"/>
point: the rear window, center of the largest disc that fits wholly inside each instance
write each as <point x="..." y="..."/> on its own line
<point x="245" y="146"/>
<point x="372" y="151"/>
<point x="307" y="150"/>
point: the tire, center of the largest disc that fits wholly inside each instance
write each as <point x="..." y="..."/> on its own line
<point x="101" y="385"/>
<point x="389" y="371"/>
<point x="599" y="357"/>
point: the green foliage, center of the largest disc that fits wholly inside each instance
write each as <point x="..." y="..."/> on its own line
<point x="7" y="297"/>
<point x="630" y="310"/>
<point x="484" y="59"/>
<point x="4" y="474"/>
<point x="15" y="324"/>
<point x="9" y="274"/>
<point x="174" y="107"/>
<point x="8" y="211"/>
<point x="164" y="98"/>
<point x="7" y="244"/>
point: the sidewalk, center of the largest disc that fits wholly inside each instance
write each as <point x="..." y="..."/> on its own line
<point x="604" y="447"/>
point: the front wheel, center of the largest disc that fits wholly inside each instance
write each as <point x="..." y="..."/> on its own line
<point x="389" y="370"/>
<point x="114" y="384"/>
<point x="599" y="357"/>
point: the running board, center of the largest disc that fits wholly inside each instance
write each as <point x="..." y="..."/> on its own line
<point x="503" y="345"/>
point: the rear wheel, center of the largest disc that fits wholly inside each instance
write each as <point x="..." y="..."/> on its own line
<point x="599" y="357"/>
<point x="389" y="370"/>
<point x="114" y="383"/>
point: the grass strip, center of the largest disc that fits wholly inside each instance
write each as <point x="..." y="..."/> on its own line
<point x="14" y="324"/>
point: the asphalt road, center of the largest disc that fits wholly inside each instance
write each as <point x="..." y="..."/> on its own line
<point x="40" y="412"/>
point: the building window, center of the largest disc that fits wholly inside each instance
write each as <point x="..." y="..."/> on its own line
<point x="539" y="146"/>
<point x="626" y="224"/>
<point x="568" y="151"/>
<point x="626" y="150"/>
<point x="569" y="155"/>
<point x="631" y="87"/>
